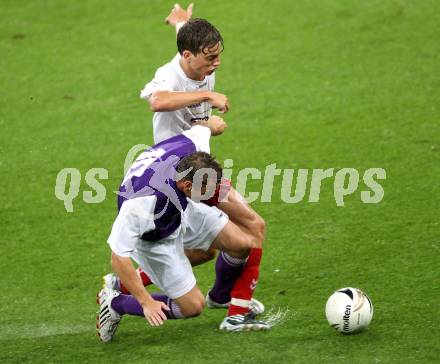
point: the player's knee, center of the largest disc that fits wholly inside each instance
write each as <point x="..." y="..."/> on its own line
<point x="259" y="231"/>
<point x="205" y="256"/>
<point x="195" y="307"/>
<point x="197" y="257"/>
<point x="193" y="310"/>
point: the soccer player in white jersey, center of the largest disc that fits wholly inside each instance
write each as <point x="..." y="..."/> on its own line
<point x="156" y="219"/>
<point x="181" y="94"/>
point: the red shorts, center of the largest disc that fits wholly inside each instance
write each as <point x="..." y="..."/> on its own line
<point x="220" y="193"/>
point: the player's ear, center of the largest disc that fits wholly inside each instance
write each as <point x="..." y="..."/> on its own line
<point x="187" y="186"/>
<point x="186" y="54"/>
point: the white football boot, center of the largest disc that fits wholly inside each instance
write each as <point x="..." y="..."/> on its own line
<point x="247" y="322"/>
<point x="255" y="308"/>
<point x="108" y="319"/>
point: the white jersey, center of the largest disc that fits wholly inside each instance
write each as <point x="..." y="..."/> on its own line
<point x="171" y="77"/>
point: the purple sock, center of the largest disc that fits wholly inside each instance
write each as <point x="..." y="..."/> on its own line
<point x="127" y="304"/>
<point x="175" y="312"/>
<point x="227" y="271"/>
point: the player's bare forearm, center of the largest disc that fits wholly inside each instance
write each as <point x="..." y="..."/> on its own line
<point x="174" y="100"/>
<point x="123" y="267"/>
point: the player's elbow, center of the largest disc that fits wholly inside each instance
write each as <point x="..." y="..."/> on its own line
<point x="157" y="103"/>
<point x="154" y="106"/>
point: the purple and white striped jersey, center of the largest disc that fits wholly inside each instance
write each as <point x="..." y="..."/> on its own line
<point x="154" y="203"/>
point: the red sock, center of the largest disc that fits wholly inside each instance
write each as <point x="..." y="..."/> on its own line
<point x="143" y="276"/>
<point x="243" y="289"/>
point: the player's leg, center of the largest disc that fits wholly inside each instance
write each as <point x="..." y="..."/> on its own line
<point x="114" y="305"/>
<point x="188" y="305"/>
<point x="203" y="225"/>
<point x="237" y="264"/>
<point x="242" y="214"/>
<point x="227" y="199"/>
<point x="239" y="247"/>
<point x="228" y="268"/>
<point x="235" y="241"/>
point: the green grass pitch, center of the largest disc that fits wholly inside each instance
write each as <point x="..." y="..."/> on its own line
<point x="313" y="84"/>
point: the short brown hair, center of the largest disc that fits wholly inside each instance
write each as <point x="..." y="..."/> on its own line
<point x="197" y="35"/>
<point x="196" y="161"/>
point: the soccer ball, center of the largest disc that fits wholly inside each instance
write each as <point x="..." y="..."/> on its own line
<point x="349" y="310"/>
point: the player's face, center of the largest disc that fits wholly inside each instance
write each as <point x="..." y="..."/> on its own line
<point x="205" y="63"/>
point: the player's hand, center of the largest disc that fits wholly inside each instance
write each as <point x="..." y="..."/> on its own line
<point x="217" y="125"/>
<point x="219" y="101"/>
<point x="153" y="312"/>
<point x="179" y="15"/>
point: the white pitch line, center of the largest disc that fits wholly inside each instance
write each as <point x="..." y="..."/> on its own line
<point x="20" y="331"/>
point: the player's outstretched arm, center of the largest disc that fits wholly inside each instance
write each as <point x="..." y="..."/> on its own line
<point x="173" y="100"/>
<point x="178" y="16"/>
<point x="153" y="310"/>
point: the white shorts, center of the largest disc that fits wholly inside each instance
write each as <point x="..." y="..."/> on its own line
<point x="165" y="261"/>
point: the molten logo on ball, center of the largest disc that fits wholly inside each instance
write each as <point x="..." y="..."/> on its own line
<point x="346" y="318"/>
